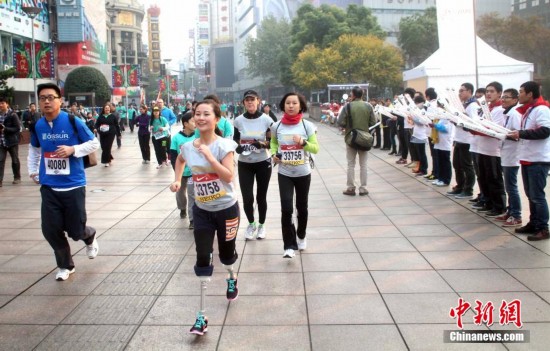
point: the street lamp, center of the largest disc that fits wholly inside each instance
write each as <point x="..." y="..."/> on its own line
<point x="167" y="61"/>
<point x="32" y="12"/>
<point x="125" y="73"/>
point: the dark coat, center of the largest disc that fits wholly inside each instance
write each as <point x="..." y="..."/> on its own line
<point x="12" y="129"/>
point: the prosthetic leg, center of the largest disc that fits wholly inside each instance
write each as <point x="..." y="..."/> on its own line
<point x="201" y="324"/>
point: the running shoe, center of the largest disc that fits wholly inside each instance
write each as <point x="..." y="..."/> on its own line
<point x="63" y="274"/>
<point x="493" y="214"/>
<point x="249" y="235"/>
<point x="512" y="222"/>
<point x="191" y="225"/>
<point x="503" y="218"/>
<point x="92" y="249"/>
<point x="463" y="196"/>
<point x="261" y="232"/>
<point x="232" y="289"/>
<point x="289" y="253"/>
<point x="302" y="244"/>
<point x="201" y="325"/>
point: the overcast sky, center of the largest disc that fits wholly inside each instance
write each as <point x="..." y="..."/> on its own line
<point x="176" y="18"/>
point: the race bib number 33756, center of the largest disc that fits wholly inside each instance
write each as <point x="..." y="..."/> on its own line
<point x="292" y="154"/>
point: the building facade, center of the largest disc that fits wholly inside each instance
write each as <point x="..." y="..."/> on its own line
<point x="530" y="8"/>
<point x="126" y="17"/>
<point x="15" y="48"/>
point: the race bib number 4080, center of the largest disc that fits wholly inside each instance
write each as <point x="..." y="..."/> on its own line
<point x="208" y="187"/>
<point x="56" y="165"/>
<point x="292" y="155"/>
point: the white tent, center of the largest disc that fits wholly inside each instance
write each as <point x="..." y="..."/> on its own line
<point x="444" y="69"/>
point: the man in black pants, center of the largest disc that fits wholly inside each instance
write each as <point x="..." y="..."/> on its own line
<point x="55" y="161"/>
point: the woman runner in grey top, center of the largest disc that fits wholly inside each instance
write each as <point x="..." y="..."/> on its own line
<point x="216" y="211"/>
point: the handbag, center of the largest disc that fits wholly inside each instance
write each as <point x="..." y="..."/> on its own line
<point x="356" y="138"/>
<point x="90" y="160"/>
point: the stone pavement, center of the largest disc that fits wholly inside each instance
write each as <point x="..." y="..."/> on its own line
<point x="380" y="272"/>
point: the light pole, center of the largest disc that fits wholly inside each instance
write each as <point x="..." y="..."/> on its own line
<point x="32" y="12"/>
<point x="125" y="72"/>
<point x="167" y="61"/>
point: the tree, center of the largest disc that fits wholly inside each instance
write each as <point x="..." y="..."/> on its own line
<point x="324" y="25"/>
<point x="522" y="39"/>
<point x="267" y="54"/>
<point x="351" y="59"/>
<point x="5" y="90"/>
<point x="88" y="80"/>
<point x="418" y="36"/>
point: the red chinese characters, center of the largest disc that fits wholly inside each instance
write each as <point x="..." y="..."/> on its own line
<point x="459" y="311"/>
<point x="509" y="312"/>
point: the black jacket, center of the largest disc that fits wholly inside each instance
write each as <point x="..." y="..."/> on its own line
<point x="12" y="129"/>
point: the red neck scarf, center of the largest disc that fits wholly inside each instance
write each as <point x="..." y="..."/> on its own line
<point x="538" y="102"/>
<point x="495" y="104"/>
<point x="287" y="119"/>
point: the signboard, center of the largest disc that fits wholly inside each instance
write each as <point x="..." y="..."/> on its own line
<point x="14" y="20"/>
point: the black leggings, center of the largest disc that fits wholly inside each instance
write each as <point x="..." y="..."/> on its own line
<point x="287" y="187"/>
<point x="160" y="145"/>
<point x="144" y="147"/>
<point x="247" y="172"/>
<point x="224" y="224"/>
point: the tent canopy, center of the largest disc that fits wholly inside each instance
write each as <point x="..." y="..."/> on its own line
<point x="443" y="69"/>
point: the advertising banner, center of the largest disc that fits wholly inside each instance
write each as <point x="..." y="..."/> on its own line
<point x="133" y="76"/>
<point x="14" y="20"/>
<point x="161" y="84"/>
<point x="173" y="83"/>
<point x="22" y="59"/>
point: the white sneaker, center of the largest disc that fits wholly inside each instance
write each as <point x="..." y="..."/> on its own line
<point x="261" y="232"/>
<point x="302" y="243"/>
<point x="435" y="182"/>
<point x="92" y="250"/>
<point x="63" y="274"/>
<point x="249" y="235"/>
<point x="289" y="253"/>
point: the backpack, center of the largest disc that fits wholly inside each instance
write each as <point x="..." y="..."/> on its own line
<point x="89" y="160"/>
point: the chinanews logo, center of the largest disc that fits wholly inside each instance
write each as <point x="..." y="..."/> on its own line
<point x="55" y="137"/>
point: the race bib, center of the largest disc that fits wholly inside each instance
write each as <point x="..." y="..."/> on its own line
<point x="208" y="187"/>
<point x="158" y="135"/>
<point x="56" y="165"/>
<point x="292" y="155"/>
<point x="248" y="147"/>
<point x="104" y="128"/>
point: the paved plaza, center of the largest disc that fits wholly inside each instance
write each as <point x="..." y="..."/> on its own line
<point x="381" y="272"/>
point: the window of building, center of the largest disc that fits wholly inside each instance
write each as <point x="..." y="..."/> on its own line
<point x="6" y="51"/>
<point x="534" y="3"/>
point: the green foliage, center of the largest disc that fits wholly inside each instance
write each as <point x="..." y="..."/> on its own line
<point x="418" y="36"/>
<point x="5" y="90"/>
<point x="324" y="25"/>
<point x="267" y="54"/>
<point x="351" y="59"/>
<point x="88" y="80"/>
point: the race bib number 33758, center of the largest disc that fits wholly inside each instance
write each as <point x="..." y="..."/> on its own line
<point x="208" y="187"/>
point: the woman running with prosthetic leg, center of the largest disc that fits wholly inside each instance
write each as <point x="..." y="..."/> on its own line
<point x="216" y="211"/>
